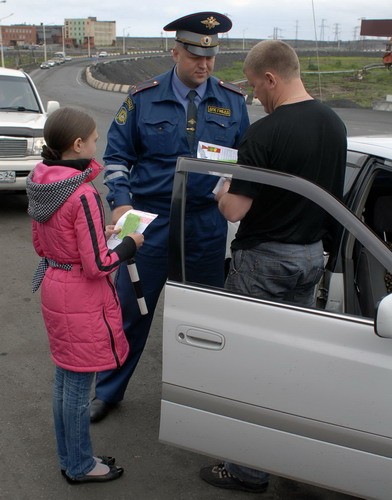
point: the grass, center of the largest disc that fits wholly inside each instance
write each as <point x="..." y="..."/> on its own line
<point x="357" y="85"/>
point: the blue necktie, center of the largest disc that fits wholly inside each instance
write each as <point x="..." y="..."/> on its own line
<point x="191" y="118"/>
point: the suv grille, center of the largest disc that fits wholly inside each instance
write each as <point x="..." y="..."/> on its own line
<point x="13" y="148"/>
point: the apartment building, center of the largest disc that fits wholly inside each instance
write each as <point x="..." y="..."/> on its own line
<point x="89" y="31"/>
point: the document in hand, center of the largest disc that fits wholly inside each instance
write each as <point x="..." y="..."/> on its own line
<point x="215" y="152"/>
<point x="132" y="221"/>
<point x="219" y="153"/>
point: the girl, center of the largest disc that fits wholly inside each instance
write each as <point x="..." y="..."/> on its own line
<point x="79" y="303"/>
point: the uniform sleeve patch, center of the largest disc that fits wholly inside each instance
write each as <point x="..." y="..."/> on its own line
<point x="121" y="116"/>
<point x="129" y="103"/>
<point x="219" y="111"/>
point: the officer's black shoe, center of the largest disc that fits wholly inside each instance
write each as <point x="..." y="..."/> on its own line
<point x="99" y="409"/>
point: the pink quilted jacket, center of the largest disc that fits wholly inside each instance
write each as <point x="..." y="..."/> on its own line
<point x="80" y="306"/>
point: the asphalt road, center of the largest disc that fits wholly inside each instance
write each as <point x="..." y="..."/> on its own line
<point x="28" y="458"/>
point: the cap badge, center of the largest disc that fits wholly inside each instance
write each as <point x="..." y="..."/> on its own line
<point x="205" y="41"/>
<point x="210" y="22"/>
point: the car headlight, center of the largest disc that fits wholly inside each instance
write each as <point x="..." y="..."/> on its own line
<point x="38" y="142"/>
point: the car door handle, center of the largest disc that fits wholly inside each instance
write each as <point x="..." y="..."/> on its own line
<point x="201" y="338"/>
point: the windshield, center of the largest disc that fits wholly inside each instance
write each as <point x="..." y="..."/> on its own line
<point x="16" y="94"/>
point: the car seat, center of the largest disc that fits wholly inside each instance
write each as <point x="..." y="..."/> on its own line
<point x="371" y="278"/>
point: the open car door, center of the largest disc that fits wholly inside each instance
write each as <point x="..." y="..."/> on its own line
<point x="299" y="392"/>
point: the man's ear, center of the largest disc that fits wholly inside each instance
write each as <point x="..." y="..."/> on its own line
<point x="270" y="79"/>
<point x="175" y="54"/>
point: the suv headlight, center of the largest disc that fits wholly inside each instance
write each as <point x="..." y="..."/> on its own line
<point x="38" y="142"/>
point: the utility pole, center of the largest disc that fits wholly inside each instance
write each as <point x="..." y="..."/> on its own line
<point x="322" y="27"/>
<point x="296" y="32"/>
<point x="243" y="38"/>
<point x="337" y="33"/>
<point x="123" y="51"/>
<point x="1" y="35"/>
<point x="275" y="34"/>
<point x="44" y="34"/>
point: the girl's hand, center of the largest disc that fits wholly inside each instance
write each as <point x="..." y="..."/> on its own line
<point x="109" y="230"/>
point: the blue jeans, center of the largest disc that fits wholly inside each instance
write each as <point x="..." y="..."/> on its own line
<point x="71" y="392"/>
<point x="280" y="272"/>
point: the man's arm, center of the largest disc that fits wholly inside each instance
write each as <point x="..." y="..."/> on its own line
<point x="233" y="207"/>
<point x="119" y="158"/>
<point x="119" y="211"/>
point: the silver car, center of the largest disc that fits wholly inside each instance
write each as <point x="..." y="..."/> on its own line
<point x="302" y="393"/>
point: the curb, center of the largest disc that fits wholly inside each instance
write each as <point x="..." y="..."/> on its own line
<point x="110" y="87"/>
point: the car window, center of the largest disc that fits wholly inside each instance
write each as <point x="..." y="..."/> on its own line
<point x="16" y="93"/>
<point x="374" y="206"/>
<point x="355" y="162"/>
<point x="352" y="251"/>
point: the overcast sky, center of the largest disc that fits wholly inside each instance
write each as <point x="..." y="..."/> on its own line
<point x="291" y="19"/>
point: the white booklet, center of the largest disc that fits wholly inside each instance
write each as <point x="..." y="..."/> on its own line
<point x="215" y="152"/>
<point x="132" y="221"/>
<point x="219" y="153"/>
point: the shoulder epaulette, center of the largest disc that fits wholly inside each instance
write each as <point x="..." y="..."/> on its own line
<point x="134" y="89"/>
<point x="231" y="86"/>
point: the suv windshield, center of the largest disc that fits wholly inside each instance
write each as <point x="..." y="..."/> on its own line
<point x="17" y="94"/>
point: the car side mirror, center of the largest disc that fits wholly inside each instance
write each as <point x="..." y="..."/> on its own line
<point x="52" y="106"/>
<point x="383" y="318"/>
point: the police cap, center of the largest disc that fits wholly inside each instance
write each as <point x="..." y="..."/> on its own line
<point x="199" y="32"/>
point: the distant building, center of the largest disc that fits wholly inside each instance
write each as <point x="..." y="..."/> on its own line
<point x="89" y="31"/>
<point x="18" y="35"/>
<point x="49" y="34"/>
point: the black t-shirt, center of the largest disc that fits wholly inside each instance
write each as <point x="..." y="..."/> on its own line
<point x="306" y="139"/>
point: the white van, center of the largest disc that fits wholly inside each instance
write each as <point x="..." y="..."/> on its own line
<point x="62" y="56"/>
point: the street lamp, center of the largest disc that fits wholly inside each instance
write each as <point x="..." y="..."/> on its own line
<point x="1" y="35"/>
<point x="124" y="38"/>
<point x="88" y="33"/>
<point x="243" y="38"/>
<point x="44" y="34"/>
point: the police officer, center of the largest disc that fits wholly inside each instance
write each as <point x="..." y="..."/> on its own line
<point x="158" y="122"/>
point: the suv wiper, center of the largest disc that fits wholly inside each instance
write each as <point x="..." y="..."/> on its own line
<point x="18" y="108"/>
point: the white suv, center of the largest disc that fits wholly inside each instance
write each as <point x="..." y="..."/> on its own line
<point x="22" y="119"/>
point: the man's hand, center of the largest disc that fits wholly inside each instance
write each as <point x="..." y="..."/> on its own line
<point x="225" y="187"/>
<point x="119" y="211"/>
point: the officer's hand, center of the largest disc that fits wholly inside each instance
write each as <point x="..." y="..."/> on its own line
<point x="119" y="211"/>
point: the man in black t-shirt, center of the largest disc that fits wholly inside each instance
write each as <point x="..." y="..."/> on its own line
<point x="277" y="253"/>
